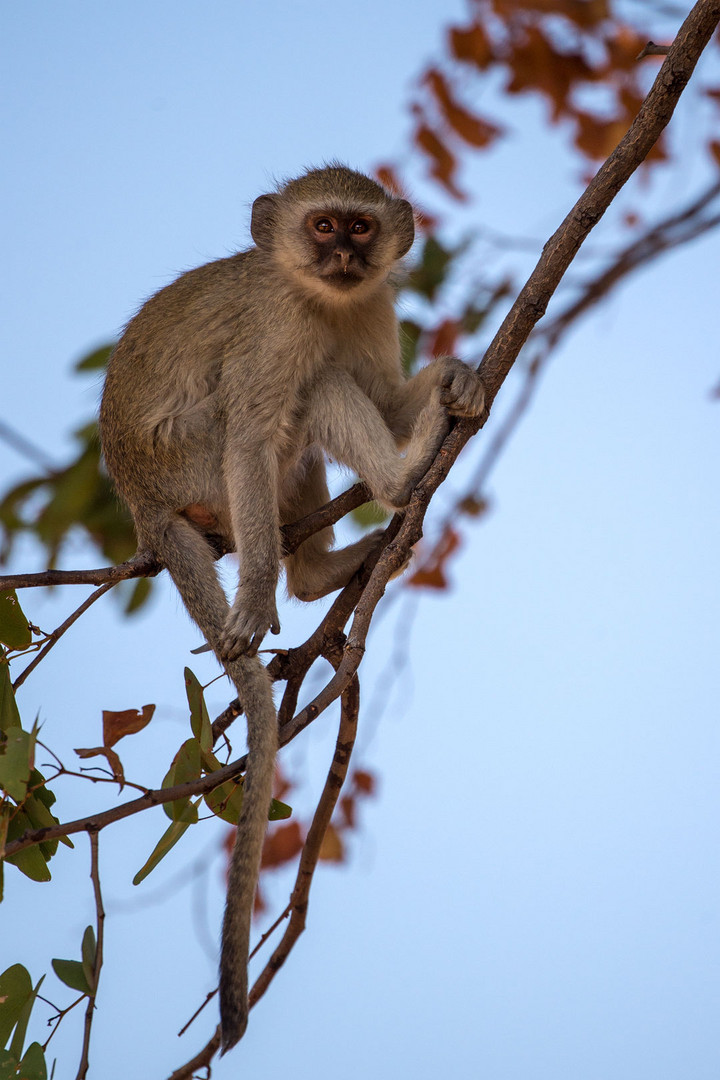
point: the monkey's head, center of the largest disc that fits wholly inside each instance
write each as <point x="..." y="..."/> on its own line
<point x="334" y="232"/>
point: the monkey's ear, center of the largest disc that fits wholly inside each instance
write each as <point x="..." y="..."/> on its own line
<point x="263" y="220"/>
<point x="405" y="226"/>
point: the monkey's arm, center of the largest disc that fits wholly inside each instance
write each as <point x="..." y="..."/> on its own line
<point x="351" y="428"/>
<point x="460" y="388"/>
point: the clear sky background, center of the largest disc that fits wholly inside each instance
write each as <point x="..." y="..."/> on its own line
<point x="534" y="892"/>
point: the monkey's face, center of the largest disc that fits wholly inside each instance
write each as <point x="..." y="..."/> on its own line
<point x="334" y="233"/>
<point x="341" y="247"/>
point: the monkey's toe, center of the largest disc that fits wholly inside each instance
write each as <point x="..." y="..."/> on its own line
<point x="244" y="632"/>
<point x="463" y="394"/>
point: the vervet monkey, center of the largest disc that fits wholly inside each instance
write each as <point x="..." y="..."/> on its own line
<point x="221" y="399"/>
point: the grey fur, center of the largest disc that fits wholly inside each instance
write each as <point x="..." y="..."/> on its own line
<point x="220" y="399"/>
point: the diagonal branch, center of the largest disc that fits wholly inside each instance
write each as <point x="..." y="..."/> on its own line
<point x="525" y="313"/>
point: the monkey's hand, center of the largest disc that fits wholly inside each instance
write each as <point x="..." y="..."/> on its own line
<point x="246" y="625"/>
<point x="461" y="389"/>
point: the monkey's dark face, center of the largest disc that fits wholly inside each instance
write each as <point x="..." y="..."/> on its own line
<point x="342" y="247"/>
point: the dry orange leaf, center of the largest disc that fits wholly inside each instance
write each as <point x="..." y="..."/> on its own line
<point x="585" y="13"/>
<point x="471" y="45"/>
<point x="282" y="844"/>
<point x="473" y="129"/>
<point x="110" y="756"/>
<point x="444" y="338"/>
<point x="364" y="781"/>
<point x="116" y="725"/>
<point x="348" y="811"/>
<point x="332" y="849"/>
<point x="431" y="573"/>
<point x="538" y="67"/>
<point x="386" y="175"/>
<point x="443" y="162"/>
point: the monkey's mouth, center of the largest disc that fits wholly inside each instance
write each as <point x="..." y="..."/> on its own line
<point x="343" y="280"/>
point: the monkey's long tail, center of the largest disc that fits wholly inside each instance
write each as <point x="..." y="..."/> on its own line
<point x="254" y="688"/>
<point x="191" y="564"/>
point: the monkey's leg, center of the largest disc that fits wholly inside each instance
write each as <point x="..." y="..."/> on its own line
<point x="347" y="423"/>
<point x="314" y="570"/>
<point x="191" y="564"/>
<point x="251" y="476"/>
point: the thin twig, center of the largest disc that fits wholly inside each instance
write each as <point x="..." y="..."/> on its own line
<point x="99" y="936"/>
<point x="299" y="899"/>
<point x="201" y="1060"/>
<point x="55" y="636"/>
<point x="208" y="998"/>
<point x="651" y="49"/>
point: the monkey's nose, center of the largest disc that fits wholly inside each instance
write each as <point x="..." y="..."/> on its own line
<point x="344" y="257"/>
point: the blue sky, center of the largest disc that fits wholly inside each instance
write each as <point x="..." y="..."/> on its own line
<point x="534" y="892"/>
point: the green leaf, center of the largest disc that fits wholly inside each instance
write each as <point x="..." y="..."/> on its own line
<point x="16" y="1046"/>
<point x="225" y="801"/>
<point x="32" y="1066"/>
<point x="279" y="810"/>
<point x="16" y="754"/>
<point x="15" y="990"/>
<point x="8" y="1066"/>
<point x="167" y="841"/>
<point x="139" y="592"/>
<point x="40" y="817"/>
<point x="185" y="767"/>
<point x="89" y="952"/>
<point x="30" y="861"/>
<point x="432" y="269"/>
<point x="199" y="719"/>
<point x="96" y="359"/>
<point x="369" y="515"/>
<point x="72" y="973"/>
<point x="14" y="627"/>
<point x="473" y="318"/>
<point x="9" y="715"/>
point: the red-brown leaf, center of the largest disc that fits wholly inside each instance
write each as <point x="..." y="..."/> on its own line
<point x="282" y="844"/>
<point x="444" y="338"/>
<point x="347" y="810"/>
<point x="471" y="45"/>
<point x="364" y="781"/>
<point x="473" y="129"/>
<point x="332" y="848"/>
<point x="431" y="573"/>
<point x="110" y="756"/>
<point x="116" y="725"/>
<point x="443" y="163"/>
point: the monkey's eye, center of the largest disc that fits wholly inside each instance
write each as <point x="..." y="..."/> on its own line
<point x="324" y="225"/>
<point x="360" y="226"/>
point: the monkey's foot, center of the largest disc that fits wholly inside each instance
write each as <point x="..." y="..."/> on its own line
<point x="245" y="628"/>
<point x="461" y="389"/>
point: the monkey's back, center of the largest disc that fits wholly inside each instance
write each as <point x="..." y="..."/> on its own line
<point x="160" y="405"/>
